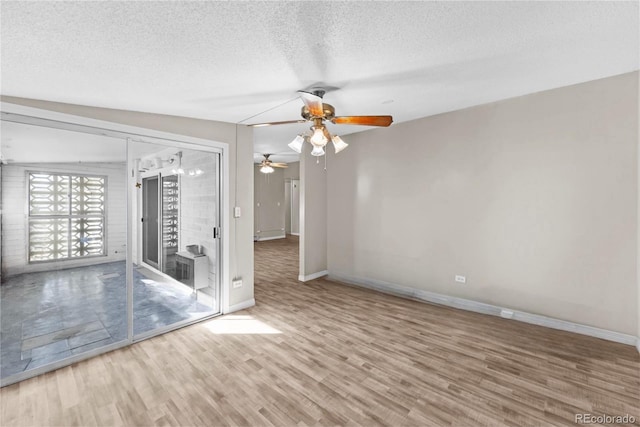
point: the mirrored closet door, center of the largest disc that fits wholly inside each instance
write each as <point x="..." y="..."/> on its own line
<point x="176" y="272"/>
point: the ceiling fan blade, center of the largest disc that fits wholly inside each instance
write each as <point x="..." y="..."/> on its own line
<point x="287" y="122"/>
<point x="313" y="103"/>
<point x="279" y="165"/>
<point x="363" y="120"/>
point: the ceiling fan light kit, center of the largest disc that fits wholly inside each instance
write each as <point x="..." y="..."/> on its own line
<point x="266" y="169"/>
<point x="338" y="143"/>
<point x="296" y="144"/>
<point x="267" y="166"/>
<point x="315" y="111"/>
<point x="317" y="151"/>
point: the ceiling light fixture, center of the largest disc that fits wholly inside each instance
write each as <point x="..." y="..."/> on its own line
<point x="319" y="137"/>
<point x="266" y="169"/>
<point x="296" y="144"/>
<point x="338" y="143"/>
<point x="319" y="113"/>
<point x="317" y="151"/>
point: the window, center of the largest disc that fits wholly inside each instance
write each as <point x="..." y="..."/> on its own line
<point x="66" y="216"/>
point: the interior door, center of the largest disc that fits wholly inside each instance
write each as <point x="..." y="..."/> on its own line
<point x="287" y="203"/>
<point x="150" y="214"/>
<point x="295" y="207"/>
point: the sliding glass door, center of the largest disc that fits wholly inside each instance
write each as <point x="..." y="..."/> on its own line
<point x="63" y="290"/>
<point x="105" y="240"/>
<point x="176" y="217"/>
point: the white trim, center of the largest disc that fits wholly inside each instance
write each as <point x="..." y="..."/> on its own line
<point x="480" y="307"/>
<point x="262" y="239"/>
<point x="312" y="276"/>
<point x="295" y="234"/>
<point x="638" y="344"/>
<point x="241" y="305"/>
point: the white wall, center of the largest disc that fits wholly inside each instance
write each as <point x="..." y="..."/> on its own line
<point x="313" y="216"/>
<point x="15" y="214"/>
<point x="198" y="206"/>
<point x="269" y="204"/>
<point x="533" y="199"/>
<point x="240" y="140"/>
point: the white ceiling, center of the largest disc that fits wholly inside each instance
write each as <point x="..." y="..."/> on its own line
<point x="230" y="61"/>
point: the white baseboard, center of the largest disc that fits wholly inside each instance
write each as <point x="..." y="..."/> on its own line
<point x="295" y="234"/>
<point x="241" y="305"/>
<point x="262" y="239"/>
<point x="312" y="276"/>
<point x="480" y="307"/>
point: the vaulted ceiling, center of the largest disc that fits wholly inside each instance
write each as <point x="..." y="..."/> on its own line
<point x="244" y="61"/>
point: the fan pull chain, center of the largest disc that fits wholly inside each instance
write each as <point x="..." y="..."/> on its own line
<point x="325" y="162"/>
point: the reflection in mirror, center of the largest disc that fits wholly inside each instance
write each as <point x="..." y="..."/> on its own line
<point x="63" y="247"/>
<point x="175" y="256"/>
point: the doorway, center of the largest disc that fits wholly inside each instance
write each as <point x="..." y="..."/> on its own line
<point x="292" y="203"/>
<point x="150" y="222"/>
<point x="295" y="207"/>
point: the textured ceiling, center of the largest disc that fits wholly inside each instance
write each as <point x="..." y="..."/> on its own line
<point x="230" y="61"/>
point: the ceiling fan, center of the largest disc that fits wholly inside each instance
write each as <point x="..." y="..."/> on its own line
<point x="266" y="166"/>
<point x="317" y="112"/>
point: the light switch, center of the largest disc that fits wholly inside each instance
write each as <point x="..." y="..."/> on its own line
<point x="237" y="212"/>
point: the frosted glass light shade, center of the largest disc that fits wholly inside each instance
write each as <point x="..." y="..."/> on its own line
<point x="296" y="144"/>
<point x="338" y="143"/>
<point x="317" y="151"/>
<point x="266" y="169"/>
<point x="318" y="139"/>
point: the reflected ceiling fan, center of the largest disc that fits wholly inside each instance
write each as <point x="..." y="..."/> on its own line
<point x="266" y="166"/>
<point x="316" y="112"/>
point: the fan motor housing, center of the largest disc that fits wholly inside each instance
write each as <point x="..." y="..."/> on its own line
<point x="327" y="110"/>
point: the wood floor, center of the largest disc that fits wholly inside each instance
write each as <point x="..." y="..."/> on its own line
<point x="322" y="353"/>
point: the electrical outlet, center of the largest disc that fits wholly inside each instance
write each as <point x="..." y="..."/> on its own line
<point x="237" y="283"/>
<point x="237" y="212"/>
<point x="461" y="279"/>
<point x="507" y="314"/>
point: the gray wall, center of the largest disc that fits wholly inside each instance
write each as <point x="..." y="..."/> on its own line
<point x="293" y="171"/>
<point x="313" y="214"/>
<point x="269" y="204"/>
<point x="240" y="140"/>
<point x="533" y="199"/>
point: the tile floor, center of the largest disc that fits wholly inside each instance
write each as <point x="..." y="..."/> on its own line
<point x="45" y="317"/>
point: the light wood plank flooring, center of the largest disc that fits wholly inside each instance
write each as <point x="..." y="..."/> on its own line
<point x="322" y="353"/>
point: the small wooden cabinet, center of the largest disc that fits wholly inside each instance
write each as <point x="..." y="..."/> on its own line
<point x="192" y="270"/>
